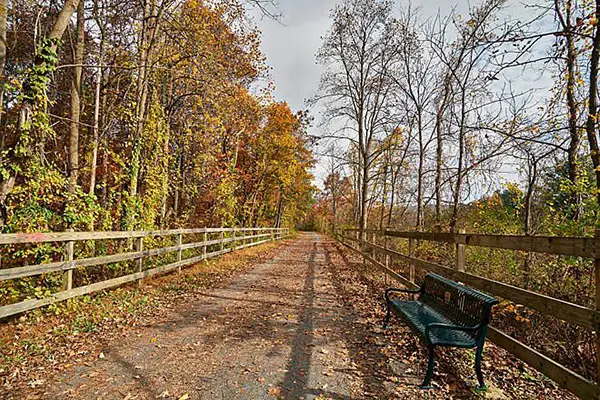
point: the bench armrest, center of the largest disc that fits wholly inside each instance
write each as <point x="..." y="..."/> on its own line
<point x="391" y="290"/>
<point x="430" y="327"/>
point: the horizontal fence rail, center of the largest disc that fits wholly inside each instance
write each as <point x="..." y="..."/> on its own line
<point x="566" y="246"/>
<point x="240" y="238"/>
<point x="576" y="314"/>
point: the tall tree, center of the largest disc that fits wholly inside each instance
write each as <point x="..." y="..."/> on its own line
<point x="76" y="97"/>
<point x="358" y="52"/>
<point x="565" y="11"/>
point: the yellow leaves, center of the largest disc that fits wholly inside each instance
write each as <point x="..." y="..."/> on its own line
<point x="522" y="319"/>
<point x="519" y="312"/>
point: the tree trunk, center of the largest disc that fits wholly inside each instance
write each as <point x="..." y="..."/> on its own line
<point x="419" y="221"/>
<point x="76" y="99"/>
<point x="529" y="197"/>
<point x="146" y="43"/>
<point x="334" y="207"/>
<point x="279" y="210"/>
<point x="438" y="168"/>
<point x="439" y="124"/>
<point x="364" y="198"/>
<point x="590" y="126"/>
<point x="97" y="101"/>
<point x="166" y="158"/>
<point x="383" y="197"/>
<point x="96" y="131"/>
<point x="105" y="174"/>
<point x="575" y="138"/>
<point x="394" y="177"/>
<point x="527" y="218"/>
<point x="459" y="172"/>
<point x="3" y="25"/>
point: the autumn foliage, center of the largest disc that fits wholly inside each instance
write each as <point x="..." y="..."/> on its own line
<point x="177" y="126"/>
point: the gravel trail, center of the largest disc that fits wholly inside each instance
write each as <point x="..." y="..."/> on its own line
<point x="279" y="331"/>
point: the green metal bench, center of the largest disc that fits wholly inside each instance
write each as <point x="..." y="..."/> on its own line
<point x="445" y="313"/>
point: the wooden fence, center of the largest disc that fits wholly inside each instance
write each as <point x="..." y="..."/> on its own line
<point x="576" y="314"/>
<point x="229" y="239"/>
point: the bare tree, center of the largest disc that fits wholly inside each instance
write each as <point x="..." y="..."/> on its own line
<point x="464" y="59"/>
<point x="416" y="84"/>
<point x="359" y="51"/>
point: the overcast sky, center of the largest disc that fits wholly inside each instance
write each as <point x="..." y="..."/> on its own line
<point x="291" y="44"/>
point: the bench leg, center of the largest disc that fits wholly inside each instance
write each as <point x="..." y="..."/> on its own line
<point x="478" y="356"/>
<point x="388" y="315"/>
<point x="427" y="381"/>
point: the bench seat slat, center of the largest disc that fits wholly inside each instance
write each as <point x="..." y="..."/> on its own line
<point x="419" y="315"/>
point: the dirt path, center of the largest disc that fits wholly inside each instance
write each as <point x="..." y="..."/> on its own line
<point x="278" y="332"/>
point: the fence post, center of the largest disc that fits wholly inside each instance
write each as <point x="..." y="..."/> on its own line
<point x="460" y="255"/>
<point x="361" y="246"/>
<point x="386" y="245"/>
<point x="179" y="252"/>
<point x="140" y="261"/>
<point x="411" y="267"/>
<point x="222" y="240"/>
<point x="205" y="251"/>
<point x="597" y="281"/>
<point x="68" y="275"/>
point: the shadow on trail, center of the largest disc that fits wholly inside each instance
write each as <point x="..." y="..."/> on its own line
<point x="296" y="383"/>
<point x="143" y="383"/>
<point x="273" y="303"/>
<point x="295" y="380"/>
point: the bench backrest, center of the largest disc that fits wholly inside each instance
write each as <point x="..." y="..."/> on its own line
<point x="459" y="303"/>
